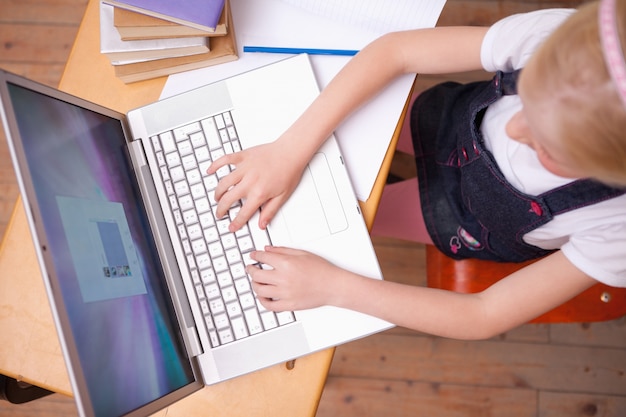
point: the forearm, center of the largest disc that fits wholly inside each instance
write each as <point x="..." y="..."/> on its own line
<point x="430" y="51"/>
<point x="512" y="301"/>
<point x="363" y="76"/>
<point x="428" y="310"/>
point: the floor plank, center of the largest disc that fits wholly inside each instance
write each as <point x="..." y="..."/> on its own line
<point x="375" y="397"/>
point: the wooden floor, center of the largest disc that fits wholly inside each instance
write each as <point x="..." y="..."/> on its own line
<point x="536" y="370"/>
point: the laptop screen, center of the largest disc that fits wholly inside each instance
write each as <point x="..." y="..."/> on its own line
<point x="125" y="334"/>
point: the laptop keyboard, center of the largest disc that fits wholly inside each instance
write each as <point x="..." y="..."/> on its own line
<point x="216" y="257"/>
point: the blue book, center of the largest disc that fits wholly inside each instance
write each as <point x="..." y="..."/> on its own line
<point x="199" y="14"/>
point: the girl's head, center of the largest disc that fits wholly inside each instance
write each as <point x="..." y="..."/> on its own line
<point x="574" y="115"/>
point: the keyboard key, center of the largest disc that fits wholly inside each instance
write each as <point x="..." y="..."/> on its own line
<point x="224" y="136"/>
<point x="167" y="142"/>
<point x="198" y="246"/>
<point x="247" y="300"/>
<point x="188" y="162"/>
<point x="217" y="306"/>
<point x="228" y="121"/>
<point x="185" y="148"/>
<point x="178" y="217"/>
<point x="177" y="173"/>
<point x="169" y="188"/>
<point x="185" y="202"/>
<point x="156" y="145"/>
<point x="197" y="139"/>
<point x="212" y="291"/>
<point x="224" y="279"/>
<point x="203" y="261"/>
<point x="202" y="154"/>
<point x="233" y="256"/>
<point x="210" y="182"/>
<point x="195" y="277"/>
<point x="194" y="231"/>
<point x="226" y="336"/>
<point x="231" y="133"/>
<point x="269" y="320"/>
<point x="202" y="205"/>
<point x="221" y="321"/>
<point x="239" y="328"/>
<point x="220" y="264"/>
<point x="194" y="176"/>
<point x="210" y="132"/>
<point x="204" y="306"/>
<point x="181" y="187"/>
<point x="160" y="158"/>
<point x="245" y="243"/>
<point x="285" y="317"/>
<point x="253" y="320"/>
<point x="183" y="132"/>
<point x="239" y="271"/>
<point x="215" y="341"/>
<point x="172" y="159"/>
<point x="219" y="121"/>
<point x="210" y="234"/>
<point x="216" y="249"/>
<point x="207" y="276"/>
<point x="229" y="241"/>
<point x="199" y="291"/>
<point x="186" y="246"/>
<point x="190" y="217"/>
<point x="222" y="226"/>
<point x="197" y="191"/>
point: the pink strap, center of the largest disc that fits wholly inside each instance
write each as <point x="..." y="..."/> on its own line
<point x="611" y="46"/>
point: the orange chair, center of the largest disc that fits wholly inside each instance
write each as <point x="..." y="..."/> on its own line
<point x="598" y="303"/>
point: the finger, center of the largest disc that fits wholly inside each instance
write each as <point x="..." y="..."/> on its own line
<point x="259" y="276"/>
<point x="282" y="250"/>
<point x="267" y="295"/>
<point x="229" y="199"/>
<point x="247" y="210"/>
<point x="228" y="159"/>
<point x="270" y="208"/>
<point x="227" y="182"/>
<point x="263" y="257"/>
<point x="272" y="305"/>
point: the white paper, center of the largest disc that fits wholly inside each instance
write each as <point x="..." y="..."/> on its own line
<point x="365" y="136"/>
<point x="378" y="16"/>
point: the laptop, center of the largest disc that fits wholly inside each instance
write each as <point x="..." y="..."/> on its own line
<point x="147" y="287"/>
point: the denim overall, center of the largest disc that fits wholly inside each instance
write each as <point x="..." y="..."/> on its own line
<point x="470" y="209"/>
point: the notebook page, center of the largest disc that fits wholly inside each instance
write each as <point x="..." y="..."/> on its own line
<point x="375" y="15"/>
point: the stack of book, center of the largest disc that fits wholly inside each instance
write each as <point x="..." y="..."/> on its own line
<point x="146" y="39"/>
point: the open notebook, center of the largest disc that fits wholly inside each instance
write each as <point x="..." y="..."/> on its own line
<point x="147" y="287"/>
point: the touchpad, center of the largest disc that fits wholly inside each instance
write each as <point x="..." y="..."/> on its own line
<point x="314" y="209"/>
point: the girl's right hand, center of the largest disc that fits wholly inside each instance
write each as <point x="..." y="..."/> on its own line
<point x="263" y="176"/>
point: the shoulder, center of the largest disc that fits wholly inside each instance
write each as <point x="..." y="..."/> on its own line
<point x="511" y="41"/>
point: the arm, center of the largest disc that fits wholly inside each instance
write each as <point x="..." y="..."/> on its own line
<point x="439" y="50"/>
<point x="512" y="301"/>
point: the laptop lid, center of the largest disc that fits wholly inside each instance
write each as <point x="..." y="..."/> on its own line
<point x="112" y="308"/>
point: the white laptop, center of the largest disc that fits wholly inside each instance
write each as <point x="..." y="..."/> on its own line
<point x="147" y="288"/>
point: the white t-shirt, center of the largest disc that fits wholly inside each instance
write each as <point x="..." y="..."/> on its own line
<point x="593" y="238"/>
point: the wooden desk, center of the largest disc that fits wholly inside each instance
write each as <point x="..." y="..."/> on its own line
<point x="32" y="352"/>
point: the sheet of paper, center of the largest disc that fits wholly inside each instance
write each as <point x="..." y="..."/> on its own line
<point x="364" y="137"/>
<point x="375" y="15"/>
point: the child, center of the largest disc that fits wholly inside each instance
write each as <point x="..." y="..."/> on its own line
<point x="531" y="164"/>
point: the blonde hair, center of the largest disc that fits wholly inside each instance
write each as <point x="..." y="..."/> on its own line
<point x="592" y="117"/>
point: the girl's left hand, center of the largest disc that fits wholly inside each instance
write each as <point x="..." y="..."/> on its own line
<point x="292" y="279"/>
